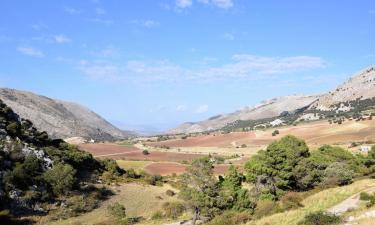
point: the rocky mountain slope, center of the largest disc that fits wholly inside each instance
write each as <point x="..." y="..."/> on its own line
<point x="59" y="118"/>
<point x="360" y="87"/>
<point x="266" y="109"/>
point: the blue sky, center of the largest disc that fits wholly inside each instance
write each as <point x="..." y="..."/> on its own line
<point x="159" y="63"/>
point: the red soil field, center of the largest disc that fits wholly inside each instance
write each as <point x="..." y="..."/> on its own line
<point x="212" y="140"/>
<point x="131" y="153"/>
<point x="167" y="168"/>
<point x="106" y="149"/>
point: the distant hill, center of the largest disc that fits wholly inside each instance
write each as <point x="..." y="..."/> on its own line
<point x="60" y="119"/>
<point x="266" y="109"/>
<point x="347" y="100"/>
<point x="360" y="86"/>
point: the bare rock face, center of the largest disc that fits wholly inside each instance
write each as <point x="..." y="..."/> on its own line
<point x="360" y="86"/>
<point x="266" y="109"/>
<point x="58" y="118"/>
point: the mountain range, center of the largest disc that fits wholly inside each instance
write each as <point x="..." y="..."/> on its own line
<point x="60" y="119"/>
<point x="359" y="86"/>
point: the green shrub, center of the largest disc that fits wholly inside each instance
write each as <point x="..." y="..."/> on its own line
<point x="173" y="209"/>
<point x="145" y="152"/>
<point x="320" y="218"/>
<point x="338" y="174"/>
<point x="364" y="196"/>
<point x="157" y="215"/>
<point x="170" y="193"/>
<point x="118" y="211"/>
<point x="61" y="178"/>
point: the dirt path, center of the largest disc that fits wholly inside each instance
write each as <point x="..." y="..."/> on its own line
<point x="350" y="203"/>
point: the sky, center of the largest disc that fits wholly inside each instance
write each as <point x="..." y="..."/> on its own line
<point x="151" y="65"/>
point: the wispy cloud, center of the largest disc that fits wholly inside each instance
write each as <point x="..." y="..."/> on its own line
<point x="106" y="52"/>
<point x="201" y="109"/>
<point x="184" y="3"/>
<point x="241" y="66"/>
<point x="225" y="4"/>
<point x="100" y="11"/>
<point x="228" y="36"/>
<point x="30" y="51"/>
<point x="146" y="23"/>
<point x="100" y="20"/>
<point x="72" y="11"/>
<point x="61" y="39"/>
<point x="372" y="11"/>
<point x="39" y="26"/>
<point x="181" y="108"/>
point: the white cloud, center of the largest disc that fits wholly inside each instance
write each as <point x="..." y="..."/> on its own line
<point x="72" y="11"/>
<point x="228" y="36"/>
<point x="106" y="52"/>
<point x="39" y="26"/>
<point x="181" y="108"/>
<point x="61" y="39"/>
<point x="224" y="4"/>
<point x="146" y="23"/>
<point x="30" y="51"/>
<point x="100" y="11"/>
<point x="241" y="66"/>
<point x="102" y="21"/>
<point x="201" y="109"/>
<point x="184" y="3"/>
<point x="99" y="70"/>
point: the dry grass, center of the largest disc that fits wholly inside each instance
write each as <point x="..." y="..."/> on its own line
<point x="139" y="201"/>
<point x="319" y="201"/>
<point x="136" y="165"/>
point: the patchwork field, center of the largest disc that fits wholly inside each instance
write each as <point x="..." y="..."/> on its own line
<point x="167" y="157"/>
<point x="315" y="133"/>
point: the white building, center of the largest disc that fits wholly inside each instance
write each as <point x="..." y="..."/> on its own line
<point x="365" y="148"/>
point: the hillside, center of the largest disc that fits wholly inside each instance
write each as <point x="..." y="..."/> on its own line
<point x="60" y="119"/>
<point x="360" y="86"/>
<point x="266" y="109"/>
<point x="37" y="173"/>
<point x="355" y="95"/>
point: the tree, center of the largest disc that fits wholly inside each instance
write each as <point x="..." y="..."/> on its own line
<point x="274" y="167"/>
<point x="338" y="174"/>
<point x="61" y="178"/>
<point x="200" y="188"/>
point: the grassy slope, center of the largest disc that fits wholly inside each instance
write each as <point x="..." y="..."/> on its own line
<point x="136" y="165"/>
<point x="319" y="201"/>
<point x="138" y="199"/>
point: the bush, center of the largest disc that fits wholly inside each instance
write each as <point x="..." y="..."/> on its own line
<point x="231" y="218"/>
<point x="264" y="208"/>
<point x="170" y="193"/>
<point x="157" y="215"/>
<point x="291" y="200"/>
<point x="145" y="152"/>
<point x="61" y="178"/>
<point x="320" y="218"/>
<point x="173" y="209"/>
<point x="153" y="179"/>
<point x="338" y="174"/>
<point x="364" y="196"/>
<point x="118" y="211"/>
